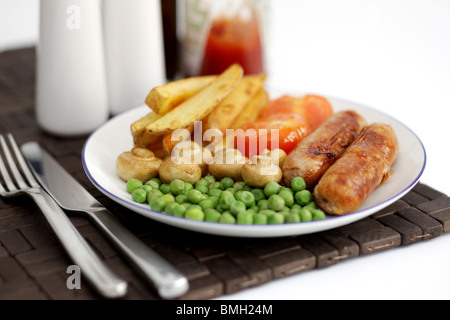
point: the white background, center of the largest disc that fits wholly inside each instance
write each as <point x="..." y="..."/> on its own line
<point x="391" y="55"/>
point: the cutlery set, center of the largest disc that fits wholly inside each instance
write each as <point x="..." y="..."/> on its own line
<point x="32" y="171"/>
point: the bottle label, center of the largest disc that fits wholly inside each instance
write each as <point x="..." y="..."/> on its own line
<point x="193" y="41"/>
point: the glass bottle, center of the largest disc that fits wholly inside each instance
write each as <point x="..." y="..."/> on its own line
<point x="217" y="33"/>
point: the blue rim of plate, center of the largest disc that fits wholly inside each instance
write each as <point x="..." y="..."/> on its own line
<point x="253" y="231"/>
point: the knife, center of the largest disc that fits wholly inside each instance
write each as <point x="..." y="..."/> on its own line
<point x="72" y="196"/>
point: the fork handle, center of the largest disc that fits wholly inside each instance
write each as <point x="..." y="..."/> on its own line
<point x="100" y="276"/>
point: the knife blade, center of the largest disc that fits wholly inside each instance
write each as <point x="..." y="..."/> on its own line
<point x="72" y="196"/>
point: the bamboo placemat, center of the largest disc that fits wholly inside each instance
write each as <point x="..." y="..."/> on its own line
<point x="33" y="265"/>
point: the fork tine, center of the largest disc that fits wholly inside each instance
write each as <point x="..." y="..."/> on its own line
<point x="13" y="167"/>
<point x="4" y="173"/>
<point x="22" y="163"/>
<point x="104" y="280"/>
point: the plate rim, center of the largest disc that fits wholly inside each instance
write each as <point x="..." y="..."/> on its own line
<point x="252" y="231"/>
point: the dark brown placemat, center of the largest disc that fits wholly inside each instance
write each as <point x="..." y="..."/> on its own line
<point x="33" y="265"/>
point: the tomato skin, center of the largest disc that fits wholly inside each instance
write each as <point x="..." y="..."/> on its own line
<point x="315" y="109"/>
<point x="284" y="104"/>
<point x="282" y="131"/>
<point x="293" y="118"/>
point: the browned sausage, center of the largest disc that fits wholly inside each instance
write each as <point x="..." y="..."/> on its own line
<point x="318" y="151"/>
<point x="363" y="167"/>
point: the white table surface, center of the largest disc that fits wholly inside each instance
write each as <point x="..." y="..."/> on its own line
<point x="391" y="55"/>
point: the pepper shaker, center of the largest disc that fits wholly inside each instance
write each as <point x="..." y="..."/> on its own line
<point x="134" y="51"/>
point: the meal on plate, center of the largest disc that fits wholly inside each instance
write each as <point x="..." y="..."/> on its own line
<point x="219" y="149"/>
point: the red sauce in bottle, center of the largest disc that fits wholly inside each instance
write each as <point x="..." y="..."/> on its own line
<point x="233" y="41"/>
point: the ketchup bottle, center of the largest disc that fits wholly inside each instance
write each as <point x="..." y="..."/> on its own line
<point x="218" y="33"/>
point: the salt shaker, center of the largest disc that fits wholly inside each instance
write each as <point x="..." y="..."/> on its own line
<point x="71" y="90"/>
<point x="134" y="51"/>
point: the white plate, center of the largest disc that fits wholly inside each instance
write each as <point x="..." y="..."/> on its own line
<point x="106" y="143"/>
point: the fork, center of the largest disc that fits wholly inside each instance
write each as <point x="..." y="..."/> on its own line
<point x="22" y="182"/>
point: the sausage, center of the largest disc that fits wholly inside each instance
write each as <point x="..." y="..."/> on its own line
<point x="318" y="151"/>
<point x="363" y="167"/>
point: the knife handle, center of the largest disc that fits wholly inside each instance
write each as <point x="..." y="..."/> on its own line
<point x="100" y="276"/>
<point x="169" y="282"/>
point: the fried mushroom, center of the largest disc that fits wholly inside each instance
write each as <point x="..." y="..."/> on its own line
<point x="175" y="168"/>
<point x="139" y="163"/>
<point x="227" y="162"/>
<point x="260" y="171"/>
<point x="278" y="156"/>
<point x="190" y="152"/>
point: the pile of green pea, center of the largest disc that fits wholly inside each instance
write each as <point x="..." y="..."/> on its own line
<point x="228" y="201"/>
